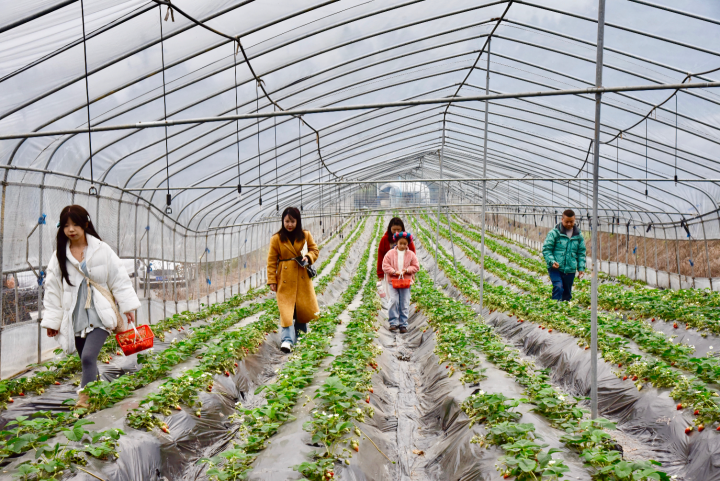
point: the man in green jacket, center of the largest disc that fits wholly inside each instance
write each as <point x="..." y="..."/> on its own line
<point x="564" y="252"/>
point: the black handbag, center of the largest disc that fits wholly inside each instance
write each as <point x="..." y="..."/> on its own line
<point x="311" y="272"/>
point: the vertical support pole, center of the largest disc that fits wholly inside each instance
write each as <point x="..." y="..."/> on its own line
<point x="148" y="290"/>
<point x="2" y="263"/>
<point x="707" y="252"/>
<point x="40" y="268"/>
<point x="17" y="300"/>
<point x="692" y="266"/>
<point x="596" y="173"/>
<point x="186" y="272"/>
<point x="440" y="195"/>
<point x="135" y="248"/>
<point x="162" y="264"/>
<point x="224" y="261"/>
<point x="484" y="182"/>
<point x="452" y="243"/>
<point x="175" y="269"/>
<point x="645" y="254"/>
<point x="677" y="256"/>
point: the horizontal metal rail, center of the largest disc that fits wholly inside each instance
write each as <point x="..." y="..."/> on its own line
<point x="381" y="105"/>
<point x="402" y="181"/>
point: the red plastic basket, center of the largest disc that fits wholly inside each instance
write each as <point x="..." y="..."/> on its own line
<point x="132" y="341"/>
<point x="401" y="283"/>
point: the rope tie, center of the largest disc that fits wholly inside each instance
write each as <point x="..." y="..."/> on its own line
<point x="170" y="13"/>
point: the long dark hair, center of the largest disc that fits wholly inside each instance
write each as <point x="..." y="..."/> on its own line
<point x="80" y="217"/>
<point x="297" y="233"/>
<point x="393" y="222"/>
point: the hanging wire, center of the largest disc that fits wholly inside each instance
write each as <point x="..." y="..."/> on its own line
<point x="676" y="133"/>
<point x="168" y="199"/>
<point x="301" y="176"/>
<point x="277" y="189"/>
<point x="237" y="123"/>
<point x="93" y="190"/>
<point x="646" y="121"/>
<point x="257" y="109"/>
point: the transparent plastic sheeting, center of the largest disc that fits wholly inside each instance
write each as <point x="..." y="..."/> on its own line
<point x="312" y="54"/>
<point x="320" y="53"/>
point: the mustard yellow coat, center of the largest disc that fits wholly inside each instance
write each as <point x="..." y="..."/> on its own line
<point x="294" y="287"/>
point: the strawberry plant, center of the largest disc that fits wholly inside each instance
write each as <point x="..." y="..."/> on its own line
<point x="559" y="409"/>
<point x="259" y="424"/>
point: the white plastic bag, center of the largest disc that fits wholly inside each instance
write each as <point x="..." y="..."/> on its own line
<point x="381" y="289"/>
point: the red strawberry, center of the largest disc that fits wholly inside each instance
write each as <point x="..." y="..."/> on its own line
<point x="635" y="378"/>
<point x="505" y="476"/>
<point x="236" y="364"/>
<point x="679" y="406"/>
<point x="624" y="378"/>
<point x="57" y="383"/>
<point x="371" y="390"/>
<point x="701" y="428"/>
<point x="672" y="363"/>
<point x="697" y="411"/>
<point x="275" y="330"/>
<point x="165" y="428"/>
<point x="447" y="367"/>
<point x="367" y="399"/>
<point x="688" y="430"/>
<point x="587" y="347"/>
<point x="718" y="428"/>
<point x="652" y="320"/>
<point x="540" y="327"/>
<point x="620" y="365"/>
<point x="675" y="325"/>
<point x="21" y="394"/>
<point x="549" y="330"/>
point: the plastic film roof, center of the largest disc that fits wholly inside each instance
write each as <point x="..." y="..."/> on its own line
<point x="314" y="54"/>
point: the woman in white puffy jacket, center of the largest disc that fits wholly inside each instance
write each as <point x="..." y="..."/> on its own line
<point x="82" y="274"/>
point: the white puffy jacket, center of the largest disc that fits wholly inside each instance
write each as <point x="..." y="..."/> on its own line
<point x="103" y="267"/>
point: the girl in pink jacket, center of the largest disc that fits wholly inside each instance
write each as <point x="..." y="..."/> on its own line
<point x="400" y="262"/>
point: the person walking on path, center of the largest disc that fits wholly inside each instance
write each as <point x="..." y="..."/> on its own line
<point x="564" y="252"/>
<point x="79" y="315"/>
<point x="292" y="249"/>
<point x="400" y="263"/>
<point x="386" y="243"/>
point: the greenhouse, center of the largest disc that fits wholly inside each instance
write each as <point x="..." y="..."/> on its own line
<point x="509" y="219"/>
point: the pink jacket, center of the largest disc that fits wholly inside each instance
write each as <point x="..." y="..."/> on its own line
<point x="390" y="264"/>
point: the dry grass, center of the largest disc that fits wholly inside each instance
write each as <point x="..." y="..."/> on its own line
<point x="661" y="254"/>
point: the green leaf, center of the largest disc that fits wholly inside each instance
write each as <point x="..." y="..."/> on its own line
<point x="527" y="465"/>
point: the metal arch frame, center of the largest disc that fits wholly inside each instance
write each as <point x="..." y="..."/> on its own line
<point x="523" y="150"/>
<point x="520" y="159"/>
<point x="307" y="195"/>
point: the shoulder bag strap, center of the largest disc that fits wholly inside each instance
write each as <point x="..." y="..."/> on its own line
<point x="101" y="289"/>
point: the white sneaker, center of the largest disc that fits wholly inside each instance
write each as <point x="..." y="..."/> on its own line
<point x="286" y="347"/>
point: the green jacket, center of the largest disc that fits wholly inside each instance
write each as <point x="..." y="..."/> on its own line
<point x="569" y="253"/>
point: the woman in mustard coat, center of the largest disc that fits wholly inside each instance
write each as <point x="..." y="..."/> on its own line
<point x="296" y="299"/>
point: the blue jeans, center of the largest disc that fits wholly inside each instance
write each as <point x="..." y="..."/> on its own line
<point x="562" y="284"/>
<point x="290" y="334"/>
<point x="399" y="306"/>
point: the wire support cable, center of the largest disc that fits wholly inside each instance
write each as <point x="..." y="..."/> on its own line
<point x="168" y="198"/>
<point x="93" y="189"/>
